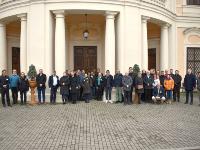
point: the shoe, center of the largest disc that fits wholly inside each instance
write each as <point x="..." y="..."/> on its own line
<point x="191" y="103"/>
<point x="106" y="101"/>
<point x="111" y="101"/>
<point x="186" y="103"/>
<point x="9" y="105"/>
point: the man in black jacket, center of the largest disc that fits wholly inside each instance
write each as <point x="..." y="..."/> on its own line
<point x="41" y="81"/>
<point x="4" y="85"/>
<point x="108" y="84"/>
<point x="148" y="84"/>
<point x="53" y="85"/>
<point x="177" y="86"/>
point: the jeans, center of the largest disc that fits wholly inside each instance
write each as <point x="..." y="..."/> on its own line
<point x="23" y="96"/>
<point x="168" y="94"/>
<point x="14" y="94"/>
<point x="41" y="94"/>
<point x="127" y="97"/>
<point x="5" y="93"/>
<point x="65" y="98"/>
<point x="108" y="93"/>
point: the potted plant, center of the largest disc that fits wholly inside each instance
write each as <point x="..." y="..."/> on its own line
<point x="136" y="70"/>
<point x="32" y="73"/>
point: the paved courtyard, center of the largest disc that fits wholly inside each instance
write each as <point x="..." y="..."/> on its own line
<point x="100" y="126"/>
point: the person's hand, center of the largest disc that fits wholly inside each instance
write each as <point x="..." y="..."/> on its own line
<point x="63" y="84"/>
<point x="40" y="84"/>
<point x="4" y="86"/>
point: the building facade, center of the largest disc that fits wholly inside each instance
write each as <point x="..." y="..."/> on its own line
<point x="160" y="34"/>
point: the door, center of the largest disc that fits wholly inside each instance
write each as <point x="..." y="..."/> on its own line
<point x="16" y="59"/>
<point x="152" y="58"/>
<point x="85" y="57"/>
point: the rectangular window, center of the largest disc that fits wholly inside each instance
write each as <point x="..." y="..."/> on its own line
<point x="193" y="59"/>
<point x="193" y="2"/>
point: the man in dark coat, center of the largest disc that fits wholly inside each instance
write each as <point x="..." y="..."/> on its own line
<point x="118" y="86"/>
<point x="148" y="85"/>
<point x="133" y="83"/>
<point x="86" y="85"/>
<point x="64" y="87"/>
<point x="23" y="88"/>
<point x="177" y="86"/>
<point x="74" y="87"/>
<point x="4" y="85"/>
<point x="189" y="84"/>
<point x="53" y="85"/>
<point x="108" y="84"/>
<point x="162" y="78"/>
<point x="41" y="81"/>
<point x="127" y="83"/>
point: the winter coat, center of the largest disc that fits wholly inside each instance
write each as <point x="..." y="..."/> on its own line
<point x="23" y="84"/>
<point x="189" y="82"/>
<point x="74" y="84"/>
<point x="14" y="81"/>
<point x="41" y="79"/>
<point x="50" y="82"/>
<point x="162" y="79"/>
<point x="64" y="85"/>
<point x="177" y="81"/>
<point x="148" y="82"/>
<point x="99" y="84"/>
<point x="86" y="85"/>
<point x="198" y="83"/>
<point x="139" y="81"/>
<point x="169" y="84"/>
<point x="108" y="81"/>
<point x="4" y="80"/>
<point x="127" y="83"/>
<point x="118" y="80"/>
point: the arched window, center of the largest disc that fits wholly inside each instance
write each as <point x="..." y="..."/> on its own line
<point x="193" y="2"/>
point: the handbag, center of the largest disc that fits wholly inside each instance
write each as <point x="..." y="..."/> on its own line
<point x="139" y="86"/>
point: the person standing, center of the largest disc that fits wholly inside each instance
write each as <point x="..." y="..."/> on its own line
<point x="4" y="84"/>
<point x="118" y="86"/>
<point x="108" y="84"/>
<point x="99" y="87"/>
<point x="53" y="85"/>
<point x="93" y="89"/>
<point x="148" y="84"/>
<point x="189" y="84"/>
<point x="139" y="89"/>
<point x="14" y="82"/>
<point x="41" y="81"/>
<point x="86" y="85"/>
<point x="198" y="86"/>
<point x="64" y="87"/>
<point x="177" y="86"/>
<point x="169" y="86"/>
<point x="74" y="87"/>
<point x="127" y="83"/>
<point x="131" y="74"/>
<point x="23" y="88"/>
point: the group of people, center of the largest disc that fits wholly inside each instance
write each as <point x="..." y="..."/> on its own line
<point x="150" y="86"/>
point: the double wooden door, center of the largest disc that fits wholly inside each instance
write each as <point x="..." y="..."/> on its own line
<point x="85" y="57"/>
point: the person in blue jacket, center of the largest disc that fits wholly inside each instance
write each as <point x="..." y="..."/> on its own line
<point x="189" y="84"/>
<point x="118" y="86"/>
<point x="158" y="93"/>
<point x="14" y="82"/>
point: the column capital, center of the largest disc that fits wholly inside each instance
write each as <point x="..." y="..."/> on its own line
<point x="145" y="19"/>
<point x="110" y="14"/>
<point x="23" y="16"/>
<point x="165" y="25"/>
<point x="59" y="13"/>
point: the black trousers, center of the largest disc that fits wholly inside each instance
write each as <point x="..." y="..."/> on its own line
<point x="148" y="95"/>
<point x="5" y="94"/>
<point x="176" y="93"/>
<point x="99" y="93"/>
<point x="131" y="95"/>
<point x="14" y="94"/>
<point x="74" y="97"/>
<point x="127" y="97"/>
<point x="23" y="96"/>
<point x="53" y="94"/>
<point x="65" y="98"/>
<point x="187" y="96"/>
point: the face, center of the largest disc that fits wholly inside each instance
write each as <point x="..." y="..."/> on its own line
<point x="14" y="71"/>
<point x="171" y="71"/>
<point x="168" y="76"/>
<point x="72" y="73"/>
<point x="107" y="72"/>
<point x="86" y="75"/>
<point x="130" y="69"/>
<point x="126" y="74"/>
<point x="41" y="71"/>
<point x="118" y="72"/>
<point x="4" y="73"/>
<point x="189" y="71"/>
<point x="162" y="73"/>
<point x="54" y="73"/>
<point x="99" y="74"/>
<point x="64" y="73"/>
<point x="139" y="75"/>
<point x="23" y="74"/>
<point x="176" y="72"/>
<point x="148" y="72"/>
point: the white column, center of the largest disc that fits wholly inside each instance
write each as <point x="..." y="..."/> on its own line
<point x="23" y="43"/>
<point x="144" y="43"/>
<point x="110" y="42"/>
<point x="164" y="47"/>
<point x="3" y="47"/>
<point x="60" y="45"/>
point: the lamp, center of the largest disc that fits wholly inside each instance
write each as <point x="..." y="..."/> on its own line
<point x="86" y="32"/>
